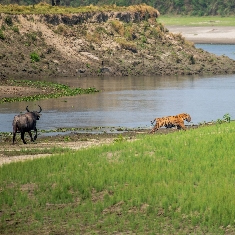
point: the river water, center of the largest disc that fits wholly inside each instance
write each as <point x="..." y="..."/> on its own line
<point x="133" y="102"/>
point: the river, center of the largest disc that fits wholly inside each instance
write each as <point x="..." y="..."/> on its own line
<point x="133" y="102"/>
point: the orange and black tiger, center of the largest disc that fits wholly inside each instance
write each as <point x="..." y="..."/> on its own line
<point x="171" y="121"/>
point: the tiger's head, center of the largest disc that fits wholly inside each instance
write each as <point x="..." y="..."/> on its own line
<point x="184" y="116"/>
<point x="187" y="117"/>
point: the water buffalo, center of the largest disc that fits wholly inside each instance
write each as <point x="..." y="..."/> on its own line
<point x="25" y="123"/>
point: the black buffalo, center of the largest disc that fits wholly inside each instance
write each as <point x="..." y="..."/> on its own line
<point x="25" y="123"/>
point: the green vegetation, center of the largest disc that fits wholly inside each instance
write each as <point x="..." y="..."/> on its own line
<point x="2" y="36"/>
<point x="44" y="8"/>
<point x="196" y="7"/>
<point x="34" y="57"/>
<point x="8" y="21"/>
<point x="196" y="21"/>
<point x="179" y="183"/>
<point x="127" y="45"/>
<point x="52" y="90"/>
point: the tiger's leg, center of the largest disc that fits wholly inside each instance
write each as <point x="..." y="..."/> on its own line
<point x="155" y="128"/>
<point x="181" y="125"/>
<point x="159" y="123"/>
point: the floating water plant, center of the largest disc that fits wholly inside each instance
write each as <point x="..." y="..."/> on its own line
<point x="54" y="90"/>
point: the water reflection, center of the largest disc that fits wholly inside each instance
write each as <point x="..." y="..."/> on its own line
<point x="134" y="101"/>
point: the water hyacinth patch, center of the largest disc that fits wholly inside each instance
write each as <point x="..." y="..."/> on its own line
<point x="54" y="90"/>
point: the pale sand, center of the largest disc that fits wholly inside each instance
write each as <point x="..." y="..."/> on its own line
<point x="206" y="34"/>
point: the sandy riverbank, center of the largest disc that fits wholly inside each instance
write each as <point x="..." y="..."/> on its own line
<point x="206" y="34"/>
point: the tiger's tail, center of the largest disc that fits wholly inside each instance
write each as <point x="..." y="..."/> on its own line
<point x="152" y="122"/>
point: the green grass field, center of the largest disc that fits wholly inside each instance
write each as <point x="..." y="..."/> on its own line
<point x="196" y="21"/>
<point x="178" y="183"/>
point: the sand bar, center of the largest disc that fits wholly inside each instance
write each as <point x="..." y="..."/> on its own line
<point x="206" y="34"/>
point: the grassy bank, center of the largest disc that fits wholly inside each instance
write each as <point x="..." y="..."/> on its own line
<point x="178" y="183"/>
<point x="170" y="20"/>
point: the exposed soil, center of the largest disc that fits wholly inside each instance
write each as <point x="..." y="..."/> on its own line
<point x="72" y="141"/>
<point x="60" y="45"/>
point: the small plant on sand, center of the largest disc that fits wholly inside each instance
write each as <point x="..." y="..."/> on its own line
<point x="32" y="36"/>
<point x="15" y="29"/>
<point x="34" y="57"/>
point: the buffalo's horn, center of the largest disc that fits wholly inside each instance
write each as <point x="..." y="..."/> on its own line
<point x="27" y="109"/>
<point x="40" y="109"/>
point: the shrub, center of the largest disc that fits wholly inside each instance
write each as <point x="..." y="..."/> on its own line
<point x="2" y="36"/>
<point x="3" y="27"/>
<point x="227" y="117"/>
<point x="100" y="29"/>
<point x="130" y="33"/>
<point x="15" y="29"/>
<point x="32" y="36"/>
<point x="61" y="29"/>
<point x="127" y="45"/>
<point x="192" y="59"/>
<point x="118" y="27"/>
<point x="34" y="57"/>
<point x="8" y="21"/>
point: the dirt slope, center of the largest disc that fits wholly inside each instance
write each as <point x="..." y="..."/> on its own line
<point x="111" y="44"/>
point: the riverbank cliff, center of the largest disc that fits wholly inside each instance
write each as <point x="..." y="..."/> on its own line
<point x="99" y="43"/>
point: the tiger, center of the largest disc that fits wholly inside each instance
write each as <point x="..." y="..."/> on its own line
<point x="171" y="121"/>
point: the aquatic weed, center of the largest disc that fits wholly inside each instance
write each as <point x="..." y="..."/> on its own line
<point x="56" y="90"/>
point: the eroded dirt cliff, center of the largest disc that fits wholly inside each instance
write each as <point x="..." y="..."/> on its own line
<point x="99" y="43"/>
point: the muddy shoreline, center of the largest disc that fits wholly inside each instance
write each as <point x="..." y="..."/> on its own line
<point x="73" y="141"/>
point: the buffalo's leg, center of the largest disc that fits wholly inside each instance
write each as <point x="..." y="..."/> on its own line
<point x="22" y="137"/>
<point x="31" y="137"/>
<point x="14" y="136"/>
<point x="36" y="134"/>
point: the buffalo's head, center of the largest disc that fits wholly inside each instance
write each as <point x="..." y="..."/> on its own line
<point x="36" y="113"/>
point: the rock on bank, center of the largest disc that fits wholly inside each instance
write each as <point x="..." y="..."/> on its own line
<point x="116" y="43"/>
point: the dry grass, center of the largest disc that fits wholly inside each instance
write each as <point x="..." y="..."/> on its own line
<point x="44" y="8"/>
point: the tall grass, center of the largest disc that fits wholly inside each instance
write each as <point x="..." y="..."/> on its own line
<point x="179" y="183"/>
